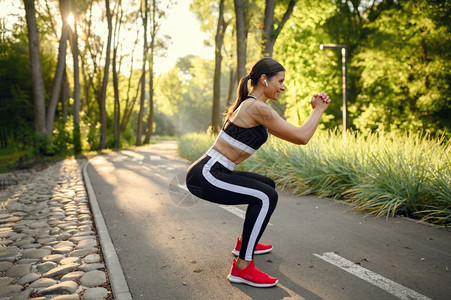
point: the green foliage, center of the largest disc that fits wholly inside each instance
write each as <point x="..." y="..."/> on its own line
<point x="384" y="174"/>
<point x="398" y="63"/>
<point x="93" y="136"/>
<point x="164" y="125"/>
<point x="42" y="146"/>
<point x="10" y="157"/>
<point x="405" y="70"/>
<point x="193" y="145"/>
<point x="308" y="72"/>
<point x="16" y="99"/>
<point x="185" y="94"/>
<point x="398" y="76"/>
<point x="16" y="108"/>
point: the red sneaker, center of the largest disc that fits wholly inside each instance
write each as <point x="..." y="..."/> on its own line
<point x="251" y="276"/>
<point x="260" y="249"/>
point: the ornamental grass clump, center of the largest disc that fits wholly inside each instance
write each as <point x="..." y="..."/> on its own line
<point x="385" y="174"/>
<point x="401" y="174"/>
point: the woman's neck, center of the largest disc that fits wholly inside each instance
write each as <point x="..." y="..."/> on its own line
<point x="259" y="95"/>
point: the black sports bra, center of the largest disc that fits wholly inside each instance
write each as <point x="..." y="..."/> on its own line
<point x="245" y="139"/>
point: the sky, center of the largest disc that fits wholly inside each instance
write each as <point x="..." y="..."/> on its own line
<point x="187" y="37"/>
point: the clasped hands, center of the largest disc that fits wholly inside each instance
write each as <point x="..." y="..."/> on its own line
<point x="318" y="99"/>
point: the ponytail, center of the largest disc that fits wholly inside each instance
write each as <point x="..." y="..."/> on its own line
<point x="242" y="93"/>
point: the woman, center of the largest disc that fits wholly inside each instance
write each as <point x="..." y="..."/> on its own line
<point x="213" y="178"/>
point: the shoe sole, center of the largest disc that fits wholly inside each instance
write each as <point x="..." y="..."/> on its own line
<point x="241" y="280"/>
<point x="237" y="253"/>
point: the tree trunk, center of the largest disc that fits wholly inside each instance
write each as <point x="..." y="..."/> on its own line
<point x="153" y="35"/>
<point x="64" y="96"/>
<point x="116" y="102"/>
<point x="36" y="72"/>
<point x="85" y="100"/>
<point x="129" y="107"/>
<point x="232" y="84"/>
<point x="143" y="79"/>
<point x="150" y="114"/>
<point x="270" y="33"/>
<point x="117" y="106"/>
<point x="102" y="98"/>
<point x="128" y="110"/>
<point x="219" y="40"/>
<point x="60" y="67"/>
<point x="76" y="138"/>
<point x="241" y="39"/>
<point x="268" y="25"/>
<point x="86" y="86"/>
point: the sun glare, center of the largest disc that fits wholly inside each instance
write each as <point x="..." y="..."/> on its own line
<point x="185" y="39"/>
<point x="71" y="21"/>
<point x="10" y="13"/>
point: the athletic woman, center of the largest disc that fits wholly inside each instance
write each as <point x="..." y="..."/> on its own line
<point x="246" y="128"/>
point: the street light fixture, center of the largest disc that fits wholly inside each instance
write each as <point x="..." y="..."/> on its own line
<point x="345" y="80"/>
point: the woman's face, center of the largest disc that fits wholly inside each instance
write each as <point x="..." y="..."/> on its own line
<point x="275" y="86"/>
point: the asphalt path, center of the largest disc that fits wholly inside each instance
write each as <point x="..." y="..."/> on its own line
<point x="173" y="246"/>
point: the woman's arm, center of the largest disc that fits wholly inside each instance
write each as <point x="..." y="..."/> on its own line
<point x="277" y="126"/>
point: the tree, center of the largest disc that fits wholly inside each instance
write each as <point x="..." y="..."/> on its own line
<point x="36" y="73"/>
<point x="215" y="18"/>
<point x="309" y="70"/>
<point x="144" y="16"/>
<point x="241" y="38"/>
<point x="102" y="96"/>
<point x="60" y="67"/>
<point x="219" y="40"/>
<point x="184" y="94"/>
<point x="153" y="36"/>
<point x="76" y="106"/>
<point x="270" y="33"/>
<point x="16" y="93"/>
<point x="117" y="106"/>
<point x="404" y="63"/>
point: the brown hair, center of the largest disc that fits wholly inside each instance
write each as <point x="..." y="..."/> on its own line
<point x="267" y="66"/>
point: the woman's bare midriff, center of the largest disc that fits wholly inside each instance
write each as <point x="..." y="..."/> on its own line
<point x="229" y="151"/>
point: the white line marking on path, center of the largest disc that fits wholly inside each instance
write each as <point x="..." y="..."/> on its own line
<point x="183" y="187"/>
<point x="149" y="169"/>
<point x="236" y="211"/>
<point x="230" y="208"/>
<point x="161" y="176"/>
<point x="169" y="168"/>
<point x="135" y="156"/>
<point x="388" y="285"/>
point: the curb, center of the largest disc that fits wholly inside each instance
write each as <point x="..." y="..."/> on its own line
<point x="117" y="279"/>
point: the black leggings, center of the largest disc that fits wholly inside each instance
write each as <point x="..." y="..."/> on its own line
<point x="212" y="178"/>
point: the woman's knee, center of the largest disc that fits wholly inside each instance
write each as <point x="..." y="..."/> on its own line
<point x="273" y="198"/>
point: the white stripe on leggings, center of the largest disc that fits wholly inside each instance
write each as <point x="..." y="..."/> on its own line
<point x="241" y="190"/>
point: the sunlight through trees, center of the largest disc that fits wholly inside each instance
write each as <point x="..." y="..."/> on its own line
<point x="82" y="75"/>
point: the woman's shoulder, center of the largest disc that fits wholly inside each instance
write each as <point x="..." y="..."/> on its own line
<point x="254" y="104"/>
<point x="260" y="109"/>
<point x="254" y="110"/>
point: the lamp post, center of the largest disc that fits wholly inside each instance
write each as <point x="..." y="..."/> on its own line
<point x="345" y="80"/>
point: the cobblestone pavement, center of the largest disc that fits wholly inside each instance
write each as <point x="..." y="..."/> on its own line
<point x="48" y="245"/>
